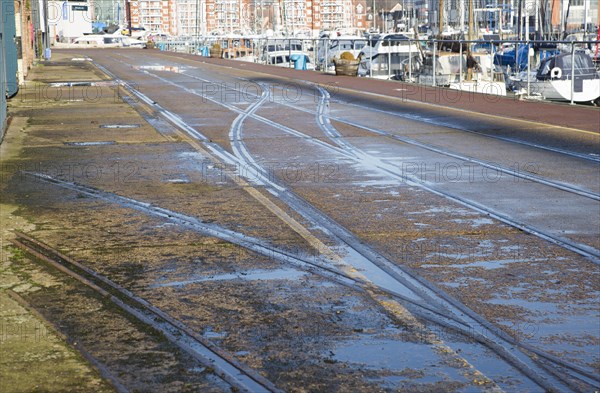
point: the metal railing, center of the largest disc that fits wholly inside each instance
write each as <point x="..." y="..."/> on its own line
<point x="420" y="55"/>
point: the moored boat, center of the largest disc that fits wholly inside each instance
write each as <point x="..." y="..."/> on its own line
<point x="560" y="79"/>
<point x="386" y="56"/>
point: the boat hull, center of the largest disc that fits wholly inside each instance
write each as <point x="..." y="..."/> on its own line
<point x="484" y="87"/>
<point x="560" y="90"/>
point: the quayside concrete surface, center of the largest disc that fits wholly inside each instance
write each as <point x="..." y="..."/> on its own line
<point x="185" y="271"/>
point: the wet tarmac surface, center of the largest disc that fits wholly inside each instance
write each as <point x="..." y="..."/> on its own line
<point x="327" y="240"/>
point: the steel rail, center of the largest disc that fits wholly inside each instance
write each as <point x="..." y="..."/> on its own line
<point x="588" y="252"/>
<point x="436" y="149"/>
<point x="210" y="355"/>
<point x="350" y="241"/>
<point x="514" y="359"/>
<point x="336" y="137"/>
<point x="321" y="267"/>
<point x="428" y="120"/>
<point x="408" y="116"/>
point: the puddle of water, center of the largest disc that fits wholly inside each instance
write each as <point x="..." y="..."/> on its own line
<point x="436" y="256"/>
<point x="444" y="209"/>
<point x="99" y="143"/>
<point x="494" y="264"/>
<point x="378" y="276"/>
<point x="383" y="183"/>
<point x="548" y="319"/>
<point x="569" y="334"/>
<point x="386" y="354"/>
<point x="161" y="68"/>
<point x="397" y="357"/>
<point x="120" y="125"/>
<point x="178" y="181"/>
<point x="248" y="275"/>
<point x="462" y="283"/>
<point x="193" y="154"/>
<point x="166" y="225"/>
<point x="81" y="83"/>
<point x="195" y="162"/>
<point x="500" y="372"/>
<point x="71" y="84"/>
<point x="474" y="222"/>
<point x="81" y="59"/>
<point x="214" y="335"/>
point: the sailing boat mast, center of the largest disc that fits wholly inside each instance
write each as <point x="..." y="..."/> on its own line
<point x="566" y="19"/>
<point x="519" y="17"/>
<point x="440" y="19"/>
<point x="462" y="17"/>
<point x="585" y="18"/>
<point x="471" y="13"/>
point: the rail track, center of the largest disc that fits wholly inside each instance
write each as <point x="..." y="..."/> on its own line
<point x="280" y="190"/>
<point x="420" y="297"/>
<point x="421" y="119"/>
<point x="225" y="365"/>
<point x="434" y="313"/>
<point x="443" y="300"/>
<point x="589" y="252"/>
<point x="324" y="94"/>
<point x="582" y="249"/>
<point x="583" y="156"/>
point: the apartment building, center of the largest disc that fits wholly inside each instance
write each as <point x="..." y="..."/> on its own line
<point x="576" y="11"/>
<point x="154" y="15"/>
<point x="191" y="17"/>
<point x="200" y="17"/>
<point x="228" y="15"/>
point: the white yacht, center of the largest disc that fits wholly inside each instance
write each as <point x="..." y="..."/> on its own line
<point x="554" y="79"/>
<point x="103" y="41"/>
<point x="388" y="56"/>
<point x="451" y="71"/>
<point x="283" y="52"/>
